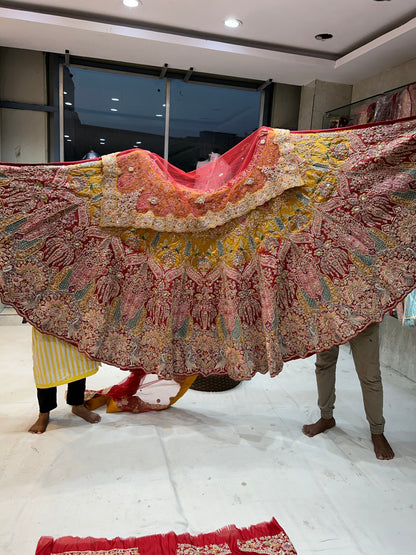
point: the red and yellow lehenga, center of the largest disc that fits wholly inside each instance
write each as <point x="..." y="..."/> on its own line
<point x="286" y="245"/>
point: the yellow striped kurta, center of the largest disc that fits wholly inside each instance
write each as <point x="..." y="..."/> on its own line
<point x="56" y="362"/>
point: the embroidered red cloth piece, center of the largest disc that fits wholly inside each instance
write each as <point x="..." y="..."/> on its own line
<point x="267" y="538"/>
<point x="288" y="244"/>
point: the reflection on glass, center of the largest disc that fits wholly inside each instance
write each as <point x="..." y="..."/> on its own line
<point x="206" y="119"/>
<point x="110" y="112"/>
<point x="106" y="111"/>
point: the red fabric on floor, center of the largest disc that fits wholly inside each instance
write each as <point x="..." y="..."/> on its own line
<point x="265" y="538"/>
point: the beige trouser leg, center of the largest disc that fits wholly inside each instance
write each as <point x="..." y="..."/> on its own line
<point x="365" y="352"/>
<point x="325" y="365"/>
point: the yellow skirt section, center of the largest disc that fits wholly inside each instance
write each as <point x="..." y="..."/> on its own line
<point x="56" y="362"/>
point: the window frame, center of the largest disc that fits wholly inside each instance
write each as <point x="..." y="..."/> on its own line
<point x="57" y="63"/>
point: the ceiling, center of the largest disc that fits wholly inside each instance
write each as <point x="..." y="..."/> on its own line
<point x="276" y="40"/>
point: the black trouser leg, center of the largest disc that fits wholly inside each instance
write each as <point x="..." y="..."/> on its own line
<point x="75" y="395"/>
<point x="47" y="399"/>
<point x="76" y="391"/>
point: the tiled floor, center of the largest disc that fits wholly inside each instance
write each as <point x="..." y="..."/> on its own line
<point x="212" y="459"/>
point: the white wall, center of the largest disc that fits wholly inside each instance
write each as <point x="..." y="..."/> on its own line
<point x="23" y="133"/>
<point x="285" y="107"/>
<point x="317" y="98"/>
<point x="385" y="81"/>
<point x="398" y="347"/>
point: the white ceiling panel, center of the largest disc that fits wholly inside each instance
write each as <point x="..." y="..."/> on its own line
<point x="276" y="40"/>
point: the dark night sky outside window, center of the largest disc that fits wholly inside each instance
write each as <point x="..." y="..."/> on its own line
<point x="107" y="111"/>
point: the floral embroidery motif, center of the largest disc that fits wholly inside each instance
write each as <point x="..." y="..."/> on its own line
<point x="187" y="549"/>
<point x="116" y="551"/>
<point x="268" y="545"/>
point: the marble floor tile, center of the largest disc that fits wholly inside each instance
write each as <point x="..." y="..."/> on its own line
<point x="212" y="459"/>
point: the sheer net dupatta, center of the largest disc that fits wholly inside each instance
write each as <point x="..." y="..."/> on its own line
<point x="140" y="392"/>
<point x="141" y="190"/>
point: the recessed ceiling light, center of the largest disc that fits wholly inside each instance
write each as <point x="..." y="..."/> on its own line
<point x="114" y="109"/>
<point x="324" y="36"/>
<point x="159" y="115"/>
<point x="115" y="99"/>
<point x="68" y="103"/>
<point x="132" y="3"/>
<point x="232" y="22"/>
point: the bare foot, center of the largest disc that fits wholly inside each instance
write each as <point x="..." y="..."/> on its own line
<point x="318" y="427"/>
<point x="86" y="414"/>
<point x="382" y="447"/>
<point x="41" y="423"/>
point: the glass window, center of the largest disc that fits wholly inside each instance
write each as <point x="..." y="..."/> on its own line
<point x="207" y="119"/>
<point x="106" y="110"/>
<point x="111" y="111"/>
